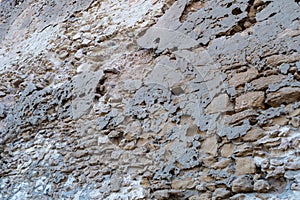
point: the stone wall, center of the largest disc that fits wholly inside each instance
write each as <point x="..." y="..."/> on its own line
<point x="149" y="99"/>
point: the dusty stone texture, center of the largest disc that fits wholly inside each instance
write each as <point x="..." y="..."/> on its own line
<point x="261" y="186"/>
<point x="245" y="165"/>
<point x="210" y="145"/>
<point x="149" y="99"/>
<point x="284" y="95"/>
<point x="263" y="82"/>
<point x="227" y="150"/>
<point x="220" y="103"/>
<point x="242" y="184"/>
<point x="250" y="100"/>
<point x="221" y="193"/>
<point x="243" y="77"/>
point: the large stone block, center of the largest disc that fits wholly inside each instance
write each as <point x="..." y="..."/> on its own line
<point x="245" y="165"/>
<point x="262" y="83"/>
<point x="210" y="145"/>
<point x="243" y="77"/>
<point x="284" y="95"/>
<point x="250" y="100"/>
<point x="220" y="103"/>
<point x="242" y="184"/>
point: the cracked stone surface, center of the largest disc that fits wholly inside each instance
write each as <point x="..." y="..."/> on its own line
<point x="187" y="99"/>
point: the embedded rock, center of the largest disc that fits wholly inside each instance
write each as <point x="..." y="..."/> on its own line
<point x="210" y="145"/>
<point x="243" y="77"/>
<point x="250" y="100"/>
<point x="149" y="99"/>
<point x="284" y="95"/>
<point x="242" y="184"/>
<point x="220" y="103"/>
<point x="221" y="193"/>
<point x="261" y="186"/>
<point x="263" y="82"/>
<point x="245" y="165"/>
<point x="227" y="150"/>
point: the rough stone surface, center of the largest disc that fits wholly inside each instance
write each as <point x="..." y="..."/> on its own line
<point x="221" y="193"/>
<point x="242" y="184"/>
<point x="210" y="145"/>
<point x="149" y="99"/>
<point x="227" y="150"/>
<point x="219" y="104"/>
<point x="243" y="77"/>
<point x="284" y="95"/>
<point x="264" y="82"/>
<point x="261" y="186"/>
<point x="245" y="165"/>
<point x="250" y="100"/>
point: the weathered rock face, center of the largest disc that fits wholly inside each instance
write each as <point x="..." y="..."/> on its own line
<point x="149" y="99"/>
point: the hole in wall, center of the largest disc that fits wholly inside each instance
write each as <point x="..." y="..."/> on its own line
<point x="236" y="11"/>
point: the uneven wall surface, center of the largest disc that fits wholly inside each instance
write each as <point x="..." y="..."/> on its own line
<point x="150" y="99"/>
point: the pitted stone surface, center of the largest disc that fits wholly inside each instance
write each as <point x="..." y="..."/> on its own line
<point x="149" y="99"/>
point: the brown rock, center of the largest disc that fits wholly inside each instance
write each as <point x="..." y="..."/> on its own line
<point x="294" y="112"/>
<point x="278" y="184"/>
<point x="258" y="3"/>
<point x="220" y="103"/>
<point x="221" y="193"/>
<point x="243" y="77"/>
<point x="261" y="186"/>
<point x="221" y="164"/>
<point x="245" y="149"/>
<point x="254" y="135"/>
<point x="245" y="165"/>
<point x="282" y="120"/>
<point x="208" y="161"/>
<point x="276" y="60"/>
<point x="165" y="194"/>
<point x="240" y="116"/>
<point x="80" y="153"/>
<point x="250" y="100"/>
<point x="194" y="197"/>
<point x="284" y="95"/>
<point x="276" y="172"/>
<point x="130" y="146"/>
<point x="238" y="197"/>
<point x="263" y="82"/>
<point x="211" y="186"/>
<point x="205" y="177"/>
<point x="182" y="183"/>
<point x="206" y="195"/>
<point x="210" y="145"/>
<point x="268" y="142"/>
<point x="145" y="183"/>
<point x="242" y="184"/>
<point x="295" y="122"/>
<point x="227" y="150"/>
<point x="114" y="134"/>
<point x="177" y="90"/>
